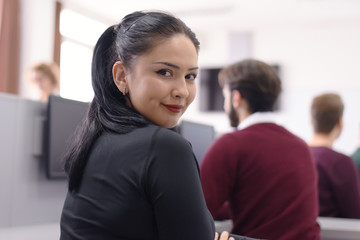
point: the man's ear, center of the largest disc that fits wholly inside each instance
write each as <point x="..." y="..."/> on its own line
<point x="340" y="124"/>
<point x="311" y="121"/>
<point x="236" y="98"/>
<point x="119" y="77"/>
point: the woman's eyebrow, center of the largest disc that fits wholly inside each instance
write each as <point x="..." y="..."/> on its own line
<point x="175" y="66"/>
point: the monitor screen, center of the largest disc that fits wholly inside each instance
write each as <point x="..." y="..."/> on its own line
<point x="199" y="135"/>
<point x="63" y="116"/>
<point x="210" y="93"/>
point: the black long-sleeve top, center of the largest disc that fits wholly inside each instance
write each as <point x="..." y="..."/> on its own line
<point x="140" y="185"/>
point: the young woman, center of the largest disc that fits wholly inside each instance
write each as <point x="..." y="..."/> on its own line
<point x="130" y="175"/>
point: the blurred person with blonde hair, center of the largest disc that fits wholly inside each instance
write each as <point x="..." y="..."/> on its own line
<point x="339" y="186"/>
<point x="46" y="77"/>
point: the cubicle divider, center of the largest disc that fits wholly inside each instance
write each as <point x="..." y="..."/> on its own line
<point x="27" y="196"/>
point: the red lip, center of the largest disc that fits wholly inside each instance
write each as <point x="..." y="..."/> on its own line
<point x="173" y="107"/>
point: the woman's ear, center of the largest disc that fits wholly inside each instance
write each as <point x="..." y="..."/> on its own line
<point x="119" y="77"/>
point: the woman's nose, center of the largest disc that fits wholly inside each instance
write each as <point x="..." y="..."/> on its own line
<point x="181" y="89"/>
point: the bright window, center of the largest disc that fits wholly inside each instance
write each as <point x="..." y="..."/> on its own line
<point x="79" y="35"/>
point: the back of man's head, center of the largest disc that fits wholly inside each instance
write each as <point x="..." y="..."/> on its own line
<point x="326" y="111"/>
<point x="258" y="83"/>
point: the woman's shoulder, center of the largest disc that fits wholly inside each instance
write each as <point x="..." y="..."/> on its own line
<point x="170" y="150"/>
<point x="168" y="137"/>
<point x="163" y="140"/>
<point x="150" y="133"/>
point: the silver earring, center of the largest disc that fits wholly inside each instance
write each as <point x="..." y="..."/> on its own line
<point x="124" y="91"/>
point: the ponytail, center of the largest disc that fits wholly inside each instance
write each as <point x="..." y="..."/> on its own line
<point x="82" y="142"/>
<point x="107" y="112"/>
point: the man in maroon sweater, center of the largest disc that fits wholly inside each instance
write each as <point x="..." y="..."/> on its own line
<point x="339" y="184"/>
<point x="261" y="176"/>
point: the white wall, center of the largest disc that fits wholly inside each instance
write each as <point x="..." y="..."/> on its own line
<point x="316" y="58"/>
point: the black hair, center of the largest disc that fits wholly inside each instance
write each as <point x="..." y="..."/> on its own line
<point x="136" y="34"/>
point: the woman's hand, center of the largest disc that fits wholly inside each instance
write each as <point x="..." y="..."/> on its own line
<point x="224" y="236"/>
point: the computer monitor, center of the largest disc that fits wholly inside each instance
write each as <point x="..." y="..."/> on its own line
<point x="199" y="135"/>
<point x="63" y="116"/>
<point x="210" y="93"/>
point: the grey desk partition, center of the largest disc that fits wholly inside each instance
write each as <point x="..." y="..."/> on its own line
<point x="27" y="197"/>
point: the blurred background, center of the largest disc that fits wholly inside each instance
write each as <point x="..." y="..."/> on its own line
<point x="314" y="45"/>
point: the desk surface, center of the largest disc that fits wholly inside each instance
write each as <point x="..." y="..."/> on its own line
<point x="32" y="232"/>
<point x="331" y="228"/>
<point x="339" y="228"/>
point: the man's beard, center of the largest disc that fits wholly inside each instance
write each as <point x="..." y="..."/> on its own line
<point x="233" y="117"/>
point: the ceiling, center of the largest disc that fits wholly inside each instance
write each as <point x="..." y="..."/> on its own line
<point x="226" y="12"/>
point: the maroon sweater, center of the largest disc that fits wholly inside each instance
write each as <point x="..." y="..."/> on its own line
<point x="267" y="178"/>
<point x="339" y="185"/>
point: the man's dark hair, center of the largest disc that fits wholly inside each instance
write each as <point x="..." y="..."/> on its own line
<point x="258" y="83"/>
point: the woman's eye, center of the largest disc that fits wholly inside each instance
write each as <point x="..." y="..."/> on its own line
<point x="164" y="72"/>
<point x="191" y="76"/>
